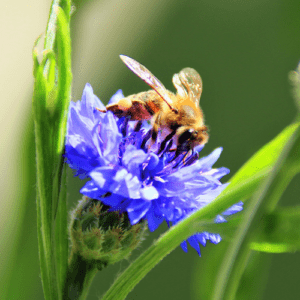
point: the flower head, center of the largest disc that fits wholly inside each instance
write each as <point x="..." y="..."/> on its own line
<point x="149" y="185"/>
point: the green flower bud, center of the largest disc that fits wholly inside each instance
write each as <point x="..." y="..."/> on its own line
<point x="102" y="236"/>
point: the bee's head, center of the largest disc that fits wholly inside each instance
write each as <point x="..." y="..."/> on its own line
<point x="193" y="137"/>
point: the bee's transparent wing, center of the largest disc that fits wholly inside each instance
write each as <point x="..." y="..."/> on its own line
<point x="148" y="77"/>
<point x="188" y="83"/>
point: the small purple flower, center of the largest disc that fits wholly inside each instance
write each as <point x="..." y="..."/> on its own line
<point x="125" y="175"/>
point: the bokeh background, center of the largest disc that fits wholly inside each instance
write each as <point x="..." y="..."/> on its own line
<point x="243" y="49"/>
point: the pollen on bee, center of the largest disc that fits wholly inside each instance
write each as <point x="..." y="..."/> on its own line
<point x="124" y="104"/>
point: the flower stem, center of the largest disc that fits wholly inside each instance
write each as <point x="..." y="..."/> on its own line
<point x="79" y="277"/>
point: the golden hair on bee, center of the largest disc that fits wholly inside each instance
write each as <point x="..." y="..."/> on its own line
<point x="177" y="116"/>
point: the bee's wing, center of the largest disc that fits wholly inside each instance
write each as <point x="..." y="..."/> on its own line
<point x="188" y="83"/>
<point x="148" y="77"/>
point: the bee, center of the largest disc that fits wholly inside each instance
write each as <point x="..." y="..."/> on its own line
<point x="178" y="117"/>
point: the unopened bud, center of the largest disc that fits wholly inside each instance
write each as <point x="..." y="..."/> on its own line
<point x="101" y="235"/>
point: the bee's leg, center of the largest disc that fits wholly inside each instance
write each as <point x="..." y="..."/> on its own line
<point x="119" y="108"/>
<point x="124" y="127"/>
<point x="177" y="153"/>
<point x="185" y="156"/>
<point x="164" y="142"/>
<point x="181" y="148"/>
<point x="138" y="126"/>
<point x="146" y="138"/>
<point x="181" y="161"/>
<point x="183" y="142"/>
<point x="192" y="158"/>
<point x="154" y="131"/>
<point x="114" y="108"/>
<point x="101" y="110"/>
<point x="168" y="148"/>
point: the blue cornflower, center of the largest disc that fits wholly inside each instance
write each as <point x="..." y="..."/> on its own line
<point x="125" y="175"/>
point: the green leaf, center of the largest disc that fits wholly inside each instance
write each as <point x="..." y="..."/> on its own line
<point x="43" y="159"/>
<point x="51" y="26"/>
<point x="65" y="77"/>
<point x="263" y="202"/>
<point x="255" y="276"/>
<point x="242" y="186"/>
<point x="61" y="232"/>
<point x="35" y="54"/>
<point x="279" y="232"/>
<point x="66" y="7"/>
<point x="260" y="164"/>
<point x="59" y="120"/>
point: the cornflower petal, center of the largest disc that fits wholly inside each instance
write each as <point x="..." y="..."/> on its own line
<point x="137" y="210"/>
<point x="116" y="97"/>
<point x="154" y="219"/>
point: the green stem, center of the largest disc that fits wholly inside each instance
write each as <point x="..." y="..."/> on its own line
<point x="79" y="277"/>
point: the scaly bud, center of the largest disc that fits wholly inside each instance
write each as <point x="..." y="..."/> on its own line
<point x="101" y="235"/>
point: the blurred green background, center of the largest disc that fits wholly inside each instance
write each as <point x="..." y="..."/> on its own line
<point x="243" y="51"/>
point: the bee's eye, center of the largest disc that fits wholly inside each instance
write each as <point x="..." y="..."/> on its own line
<point x="186" y="135"/>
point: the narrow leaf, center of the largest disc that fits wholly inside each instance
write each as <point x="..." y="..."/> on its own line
<point x="263" y="201"/>
<point x="279" y="232"/>
<point x="61" y="232"/>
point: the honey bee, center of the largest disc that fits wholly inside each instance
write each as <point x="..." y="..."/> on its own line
<point x="178" y="117"/>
